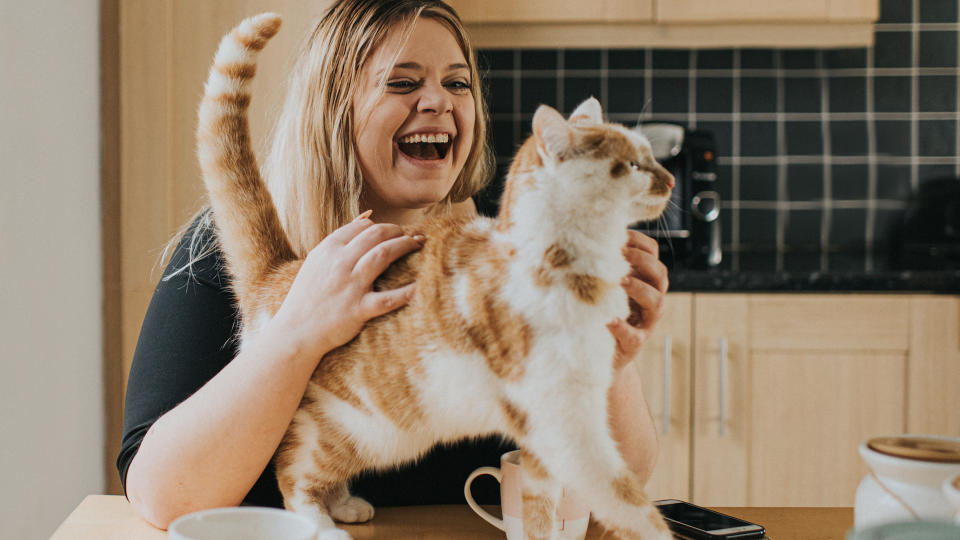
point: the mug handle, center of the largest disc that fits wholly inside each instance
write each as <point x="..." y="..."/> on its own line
<point x="494" y="472"/>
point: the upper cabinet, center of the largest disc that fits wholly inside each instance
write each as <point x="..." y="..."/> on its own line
<point x="669" y="23"/>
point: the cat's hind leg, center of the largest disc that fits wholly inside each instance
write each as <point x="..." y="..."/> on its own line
<point x="347" y="508"/>
<point x="314" y="463"/>
<point x="577" y="449"/>
<point x="540" y="495"/>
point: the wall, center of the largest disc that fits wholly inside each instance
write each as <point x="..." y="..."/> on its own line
<point x="819" y="150"/>
<point x="51" y="392"/>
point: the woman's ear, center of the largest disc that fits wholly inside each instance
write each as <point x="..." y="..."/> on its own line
<point x="588" y="112"/>
<point x="554" y="137"/>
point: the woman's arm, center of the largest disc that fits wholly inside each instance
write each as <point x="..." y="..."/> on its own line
<point x="631" y="422"/>
<point x="210" y="449"/>
<point x="630" y="419"/>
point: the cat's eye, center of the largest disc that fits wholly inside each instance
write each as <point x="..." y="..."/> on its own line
<point x="635" y="165"/>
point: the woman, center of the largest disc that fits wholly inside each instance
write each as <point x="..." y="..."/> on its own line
<point x="203" y="420"/>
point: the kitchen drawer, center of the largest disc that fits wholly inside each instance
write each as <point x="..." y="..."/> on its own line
<point x="829" y="322"/>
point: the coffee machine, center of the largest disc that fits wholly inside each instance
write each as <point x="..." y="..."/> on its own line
<point x="689" y="230"/>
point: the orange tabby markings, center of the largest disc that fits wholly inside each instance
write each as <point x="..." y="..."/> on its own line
<point x="629" y="491"/>
<point x="532" y="466"/>
<point x="516" y="417"/>
<point x="587" y="288"/>
<point x="238" y="70"/>
<point x="526" y="160"/>
<point x="258" y="40"/>
<point x="557" y="257"/>
<point x="538" y="513"/>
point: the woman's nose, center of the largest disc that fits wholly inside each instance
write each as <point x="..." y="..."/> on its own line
<point x="434" y="98"/>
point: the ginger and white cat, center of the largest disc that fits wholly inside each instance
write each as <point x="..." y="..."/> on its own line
<point x="506" y="332"/>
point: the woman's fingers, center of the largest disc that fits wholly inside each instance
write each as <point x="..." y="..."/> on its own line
<point x="647" y="302"/>
<point x="347" y="232"/>
<point x="637" y="239"/>
<point x="379" y="303"/>
<point x="647" y="267"/>
<point x="379" y="257"/>
<point x="629" y="341"/>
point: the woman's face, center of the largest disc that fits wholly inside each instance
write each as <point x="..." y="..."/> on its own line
<point x="413" y="140"/>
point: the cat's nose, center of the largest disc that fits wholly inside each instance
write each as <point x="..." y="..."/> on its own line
<point x="665" y="175"/>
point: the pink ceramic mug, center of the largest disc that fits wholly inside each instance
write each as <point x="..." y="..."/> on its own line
<point x="572" y="515"/>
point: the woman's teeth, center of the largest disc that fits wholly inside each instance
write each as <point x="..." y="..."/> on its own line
<point x="425" y="145"/>
<point x="426" y="138"/>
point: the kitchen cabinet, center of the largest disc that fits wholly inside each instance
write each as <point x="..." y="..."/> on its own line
<point x="665" y="363"/>
<point x="669" y="23"/>
<point x="783" y="387"/>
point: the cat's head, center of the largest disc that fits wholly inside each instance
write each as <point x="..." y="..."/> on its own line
<point x="601" y="162"/>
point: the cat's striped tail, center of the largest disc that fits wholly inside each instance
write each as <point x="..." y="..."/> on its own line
<point x="249" y="228"/>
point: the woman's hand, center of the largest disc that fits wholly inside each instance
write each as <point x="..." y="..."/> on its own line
<point x="332" y="295"/>
<point x="646" y="286"/>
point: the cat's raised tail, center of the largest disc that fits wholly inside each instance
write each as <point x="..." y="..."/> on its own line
<point x="250" y="231"/>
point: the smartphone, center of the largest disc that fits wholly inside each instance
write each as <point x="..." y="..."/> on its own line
<point x="697" y="523"/>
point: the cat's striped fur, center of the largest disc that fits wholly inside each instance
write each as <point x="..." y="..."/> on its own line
<point x="506" y="332"/>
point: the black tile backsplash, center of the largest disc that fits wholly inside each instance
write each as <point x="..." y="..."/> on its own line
<point x="819" y="150"/>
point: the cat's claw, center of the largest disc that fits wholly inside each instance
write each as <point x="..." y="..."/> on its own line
<point x="351" y="510"/>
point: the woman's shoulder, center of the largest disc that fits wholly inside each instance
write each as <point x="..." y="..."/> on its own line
<point x="197" y="256"/>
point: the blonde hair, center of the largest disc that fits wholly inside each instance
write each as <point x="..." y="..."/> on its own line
<point x="312" y="169"/>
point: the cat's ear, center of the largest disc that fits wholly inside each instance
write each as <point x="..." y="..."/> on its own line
<point x="588" y="112"/>
<point x="553" y="134"/>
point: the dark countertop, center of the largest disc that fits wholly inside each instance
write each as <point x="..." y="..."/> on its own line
<point x="937" y="282"/>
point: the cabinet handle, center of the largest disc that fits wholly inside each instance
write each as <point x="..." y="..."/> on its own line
<point x="723" y="386"/>
<point x="667" y="366"/>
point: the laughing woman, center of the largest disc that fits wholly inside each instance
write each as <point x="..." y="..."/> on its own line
<point x="202" y="419"/>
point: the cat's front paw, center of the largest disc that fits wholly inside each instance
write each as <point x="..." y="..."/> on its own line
<point x="351" y="510"/>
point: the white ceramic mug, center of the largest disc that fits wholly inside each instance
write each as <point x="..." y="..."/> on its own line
<point x="573" y="516"/>
<point x="906" y="479"/>
<point x="243" y="523"/>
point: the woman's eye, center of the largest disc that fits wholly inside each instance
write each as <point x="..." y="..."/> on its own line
<point x="403" y="86"/>
<point x="459" y="86"/>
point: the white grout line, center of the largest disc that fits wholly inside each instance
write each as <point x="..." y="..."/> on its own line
<point x="871" y="165"/>
<point x="561" y="81"/>
<point x="794" y="73"/>
<point x="692" y="91"/>
<point x="854" y="204"/>
<point x="604" y="76"/>
<point x="517" y="130"/>
<point x="956" y="167"/>
<point x="826" y="216"/>
<point x="914" y="95"/>
<point x="783" y="215"/>
<point x="647" y="84"/>
<point x="735" y="168"/>
<point x="768" y="117"/>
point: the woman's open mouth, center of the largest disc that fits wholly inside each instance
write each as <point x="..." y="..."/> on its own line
<point x="426" y="146"/>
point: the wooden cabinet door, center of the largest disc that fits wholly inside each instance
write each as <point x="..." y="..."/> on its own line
<point x="745" y="11"/>
<point x="786" y="387"/>
<point x="553" y="11"/>
<point x="664" y="364"/>
<point x="934" y="373"/>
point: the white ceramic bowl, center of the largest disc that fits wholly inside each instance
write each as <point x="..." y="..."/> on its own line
<point x="243" y="523"/>
<point x="917" y="530"/>
<point x="907" y="489"/>
<point x="951" y="489"/>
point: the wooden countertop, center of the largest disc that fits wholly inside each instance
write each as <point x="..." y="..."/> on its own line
<point x="110" y="517"/>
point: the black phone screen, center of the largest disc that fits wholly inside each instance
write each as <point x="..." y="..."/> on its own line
<point x="700" y="518"/>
